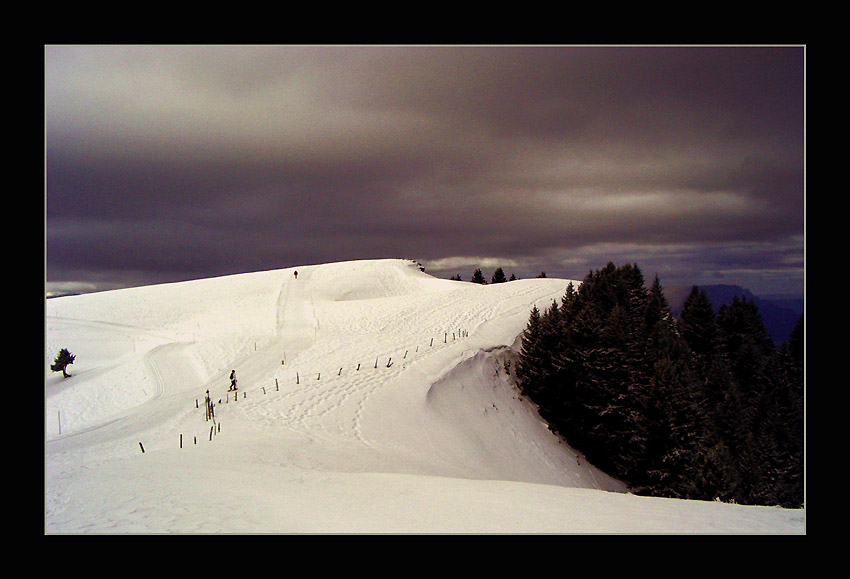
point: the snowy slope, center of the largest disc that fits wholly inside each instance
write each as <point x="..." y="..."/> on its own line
<point x="372" y="398"/>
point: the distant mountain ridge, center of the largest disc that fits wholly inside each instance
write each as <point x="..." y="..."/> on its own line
<point x="779" y="313"/>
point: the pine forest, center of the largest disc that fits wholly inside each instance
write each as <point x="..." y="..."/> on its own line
<point x="704" y="406"/>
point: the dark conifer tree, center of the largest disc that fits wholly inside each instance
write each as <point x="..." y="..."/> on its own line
<point x="749" y="349"/>
<point x="714" y="474"/>
<point x="550" y="342"/>
<point x="568" y="300"/>
<point x="499" y="276"/>
<point x="793" y="353"/>
<point x="638" y="364"/>
<point x="795" y="343"/>
<point x="602" y="365"/>
<point x="478" y="277"/>
<point x="531" y="357"/>
<point x="698" y="323"/>
<point x="534" y="361"/>
<point x="574" y="362"/>
<point x="617" y="378"/>
<point x="769" y="463"/>
<point x="674" y="419"/>
<point x="659" y="469"/>
<point x="657" y="307"/>
<point x="62" y="361"/>
<point x="582" y="361"/>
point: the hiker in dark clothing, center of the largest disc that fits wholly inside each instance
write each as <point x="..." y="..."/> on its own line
<point x="233" y="380"/>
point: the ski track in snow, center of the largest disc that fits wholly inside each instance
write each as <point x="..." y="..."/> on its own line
<point x="383" y="339"/>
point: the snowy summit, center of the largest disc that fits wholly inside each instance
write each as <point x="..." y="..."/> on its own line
<point x="371" y="398"/>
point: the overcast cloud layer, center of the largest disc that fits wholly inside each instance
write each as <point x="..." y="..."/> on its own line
<point x="167" y="163"/>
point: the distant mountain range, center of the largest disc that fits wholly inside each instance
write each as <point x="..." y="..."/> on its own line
<point x="779" y="313"/>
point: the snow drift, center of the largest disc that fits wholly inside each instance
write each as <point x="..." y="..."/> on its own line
<point x="372" y="398"/>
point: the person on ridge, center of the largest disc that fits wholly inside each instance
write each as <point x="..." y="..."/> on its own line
<point x="232" y="380"/>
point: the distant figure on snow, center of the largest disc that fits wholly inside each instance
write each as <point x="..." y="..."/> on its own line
<point x="232" y="380"/>
<point x="296" y="275"/>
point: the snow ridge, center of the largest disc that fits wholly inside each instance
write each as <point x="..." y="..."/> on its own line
<point x="372" y="398"/>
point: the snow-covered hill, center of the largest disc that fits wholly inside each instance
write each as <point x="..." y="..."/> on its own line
<point x="373" y="398"/>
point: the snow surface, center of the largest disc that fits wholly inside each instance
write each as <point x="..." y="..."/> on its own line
<point x="373" y="398"/>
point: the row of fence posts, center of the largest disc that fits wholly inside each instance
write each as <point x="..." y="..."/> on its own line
<point x="209" y="405"/>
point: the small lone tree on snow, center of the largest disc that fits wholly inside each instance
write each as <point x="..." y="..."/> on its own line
<point x="62" y="361"/>
<point x="478" y="277"/>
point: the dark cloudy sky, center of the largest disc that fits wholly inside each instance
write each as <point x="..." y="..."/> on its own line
<point x="166" y="163"/>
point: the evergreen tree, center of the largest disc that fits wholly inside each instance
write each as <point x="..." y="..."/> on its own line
<point x="770" y="453"/>
<point x="578" y="364"/>
<point x="499" y="276"/>
<point x="602" y="362"/>
<point x="62" y="361"/>
<point x="677" y="426"/>
<point x="793" y="353"/>
<point x="714" y="475"/>
<point x="478" y="277"/>
<point x="795" y="343"/>
<point x="618" y="381"/>
<point x="657" y="307"/>
<point x="532" y="357"/>
<point x="749" y="349"/>
<point x="698" y="324"/>
<point x="535" y="372"/>
<point x="546" y="394"/>
<point x="726" y="404"/>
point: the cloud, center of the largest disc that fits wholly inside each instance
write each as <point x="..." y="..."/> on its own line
<point x="185" y="161"/>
